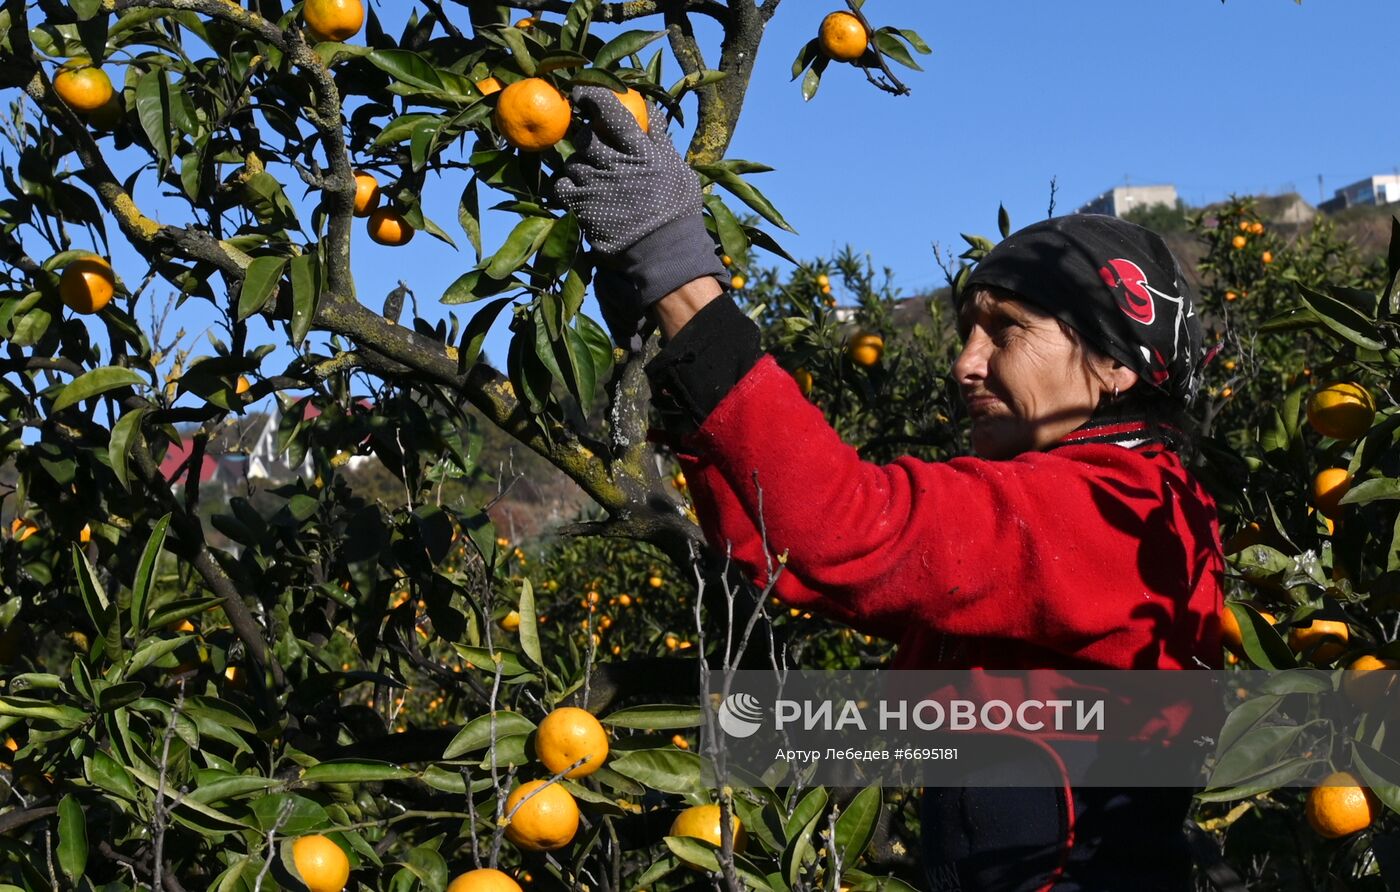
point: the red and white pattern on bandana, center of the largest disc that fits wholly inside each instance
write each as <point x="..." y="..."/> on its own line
<point x="1138" y="301"/>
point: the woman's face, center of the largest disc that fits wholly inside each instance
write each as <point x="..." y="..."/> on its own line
<point x="1024" y="380"/>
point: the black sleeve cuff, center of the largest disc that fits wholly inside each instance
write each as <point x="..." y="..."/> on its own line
<point x="702" y="363"/>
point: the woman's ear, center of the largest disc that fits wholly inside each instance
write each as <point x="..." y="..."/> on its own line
<point x="1121" y="379"/>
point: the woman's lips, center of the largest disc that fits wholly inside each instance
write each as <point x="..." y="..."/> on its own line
<point x="980" y="405"/>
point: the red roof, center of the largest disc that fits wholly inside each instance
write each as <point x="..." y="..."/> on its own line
<point x="176" y="456"/>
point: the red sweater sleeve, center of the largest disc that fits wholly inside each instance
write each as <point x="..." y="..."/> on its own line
<point x="1100" y="552"/>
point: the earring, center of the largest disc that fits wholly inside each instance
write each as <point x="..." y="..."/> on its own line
<point x="1115" y="391"/>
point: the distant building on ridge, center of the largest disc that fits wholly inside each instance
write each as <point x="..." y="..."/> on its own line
<point x="1120" y="200"/>
<point x="1375" y="190"/>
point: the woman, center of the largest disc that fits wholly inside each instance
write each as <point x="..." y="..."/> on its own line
<point x="1074" y="538"/>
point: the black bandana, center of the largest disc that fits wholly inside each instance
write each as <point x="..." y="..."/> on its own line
<point x="1115" y="283"/>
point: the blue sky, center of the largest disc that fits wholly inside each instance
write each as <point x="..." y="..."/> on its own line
<point x="1253" y="96"/>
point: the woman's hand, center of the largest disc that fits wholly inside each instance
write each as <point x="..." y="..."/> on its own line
<point x="639" y="206"/>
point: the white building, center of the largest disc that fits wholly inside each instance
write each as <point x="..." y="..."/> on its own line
<point x="1120" y="200"/>
<point x="267" y="462"/>
<point x="1375" y="190"/>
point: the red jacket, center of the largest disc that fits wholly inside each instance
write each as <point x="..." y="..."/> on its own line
<point x="1083" y="556"/>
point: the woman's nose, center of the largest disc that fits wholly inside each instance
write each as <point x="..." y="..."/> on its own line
<point x="971" y="364"/>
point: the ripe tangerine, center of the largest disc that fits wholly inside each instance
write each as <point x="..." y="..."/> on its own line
<point x="546" y="821"/>
<point x="366" y="193"/>
<point x="321" y="863"/>
<point x="842" y="37"/>
<point x="568" y="734"/>
<point x="388" y="227"/>
<point x="84" y="86"/>
<point x="532" y="114"/>
<point x="87" y="284"/>
<point x="334" y="19"/>
<point x="1340" y="806"/>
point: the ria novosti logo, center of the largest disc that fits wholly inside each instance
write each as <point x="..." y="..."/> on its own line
<point x="740" y="715"/>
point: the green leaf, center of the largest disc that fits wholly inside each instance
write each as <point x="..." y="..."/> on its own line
<point x="914" y="39"/>
<point x="72" y="838"/>
<point x="474" y="334"/>
<point x="349" y="771"/>
<point x="808" y="809"/>
<point x="153" y="110"/>
<point x="1344" y="319"/>
<point x="1262" y="645"/>
<point x="856" y="825"/>
<point x="810" y="52"/>
<point x="407" y="67"/>
<point x="1379" y="489"/>
<point x="125" y="433"/>
<point x="524" y="240"/>
<point x="259" y="282"/>
<point x="94" y="598"/>
<point x="469" y="215"/>
<point x="97" y="381"/>
<point x="30" y="708"/>
<point x="670" y="771"/>
<point x="145" y="575"/>
<point x="745" y="193"/>
<point x="889" y="45"/>
<point x="574" y="35"/>
<point x="476" y="734"/>
<point x="106" y="773"/>
<point x="730" y="231"/>
<point x="291" y="814"/>
<point x="655" y="717"/>
<point x="306" y="294"/>
<point x="528" y="631"/>
<point x="623" y="45"/>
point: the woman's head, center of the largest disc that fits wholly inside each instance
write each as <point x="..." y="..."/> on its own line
<point x="1067" y="315"/>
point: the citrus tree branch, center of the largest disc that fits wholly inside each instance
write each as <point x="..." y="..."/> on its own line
<point x="723" y="101"/>
<point x="632" y="9"/>
<point x="339" y="187"/>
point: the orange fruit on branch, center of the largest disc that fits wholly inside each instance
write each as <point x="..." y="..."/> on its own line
<point x="510" y="622"/>
<point x="1239" y="242"/>
<point x="702" y="822"/>
<point x="1342" y="411"/>
<point x="532" y="114"/>
<point x="865" y="349"/>
<point x="388" y="227"/>
<point x="1323" y="639"/>
<point x="842" y="37"/>
<point x="804" y="380"/>
<point x="484" y="879"/>
<point x="545" y="821"/>
<point x="366" y="194"/>
<point x="1369" y="680"/>
<point x="334" y="19"/>
<point x="321" y="864"/>
<point x="636" y="103"/>
<point x="87" y="284"/>
<point x="22" y="528"/>
<point x="1328" y="487"/>
<point x="1341" y="806"/>
<point x="84" y="86"/>
<point x="489" y="85"/>
<point x="568" y="734"/>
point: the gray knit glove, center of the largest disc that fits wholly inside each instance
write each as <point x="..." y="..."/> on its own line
<point x="638" y="203"/>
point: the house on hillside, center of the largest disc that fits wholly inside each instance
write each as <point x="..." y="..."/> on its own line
<point x="1374" y="190"/>
<point x="267" y="462"/>
<point x="217" y="470"/>
<point x="1119" y="201"/>
<point x="264" y="463"/>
